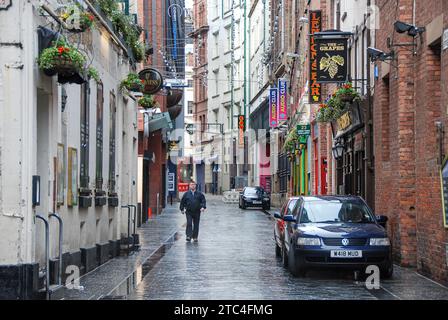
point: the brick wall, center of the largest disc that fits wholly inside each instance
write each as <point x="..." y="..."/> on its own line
<point x="407" y="104"/>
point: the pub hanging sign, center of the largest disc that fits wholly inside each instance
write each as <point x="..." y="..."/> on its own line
<point x="152" y="80"/>
<point x="332" y="60"/>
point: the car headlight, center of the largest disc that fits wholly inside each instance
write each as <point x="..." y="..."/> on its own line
<point x="379" y="242"/>
<point x="308" y="241"/>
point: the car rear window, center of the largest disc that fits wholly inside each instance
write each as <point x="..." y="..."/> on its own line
<point x="252" y="191"/>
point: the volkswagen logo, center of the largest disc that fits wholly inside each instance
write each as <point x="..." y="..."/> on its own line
<point x="345" y="242"/>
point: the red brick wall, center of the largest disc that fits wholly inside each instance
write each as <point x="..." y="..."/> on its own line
<point x="406" y="168"/>
<point x="200" y="90"/>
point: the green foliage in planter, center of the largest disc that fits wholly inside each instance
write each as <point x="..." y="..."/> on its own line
<point x="347" y="92"/>
<point x="93" y="73"/>
<point x="290" y="141"/>
<point x="61" y="50"/>
<point x="124" y="25"/>
<point x="147" y="101"/>
<point x="132" y="82"/>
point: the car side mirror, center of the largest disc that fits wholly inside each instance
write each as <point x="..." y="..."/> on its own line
<point x="277" y="215"/>
<point x="382" y="220"/>
<point x="289" y="218"/>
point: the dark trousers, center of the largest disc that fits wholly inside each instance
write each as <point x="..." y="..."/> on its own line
<point x="193" y="224"/>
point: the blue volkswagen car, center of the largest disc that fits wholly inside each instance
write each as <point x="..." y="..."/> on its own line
<point x="335" y="231"/>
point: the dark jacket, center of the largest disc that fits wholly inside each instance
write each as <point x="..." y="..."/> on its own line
<point x="193" y="204"/>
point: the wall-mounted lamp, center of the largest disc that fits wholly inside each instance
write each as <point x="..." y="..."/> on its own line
<point x="338" y="149"/>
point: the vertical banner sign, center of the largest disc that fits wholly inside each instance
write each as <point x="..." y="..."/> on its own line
<point x="282" y="101"/>
<point x="332" y="60"/>
<point x="273" y="109"/>
<point x="315" y="26"/>
<point x="241" y="129"/>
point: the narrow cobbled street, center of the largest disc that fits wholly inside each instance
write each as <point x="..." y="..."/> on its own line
<point x="234" y="259"/>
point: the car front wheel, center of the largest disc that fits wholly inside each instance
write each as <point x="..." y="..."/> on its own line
<point x="278" y="250"/>
<point x="294" y="266"/>
<point x="284" y="257"/>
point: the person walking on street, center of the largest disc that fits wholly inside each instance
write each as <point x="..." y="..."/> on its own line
<point x="192" y="204"/>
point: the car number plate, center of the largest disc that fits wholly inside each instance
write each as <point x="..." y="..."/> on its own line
<point x="257" y="202"/>
<point x="346" y="253"/>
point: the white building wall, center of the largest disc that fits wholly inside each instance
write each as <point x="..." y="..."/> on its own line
<point x="31" y="126"/>
<point x="258" y="72"/>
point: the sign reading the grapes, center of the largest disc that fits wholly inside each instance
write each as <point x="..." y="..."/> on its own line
<point x="331" y="60"/>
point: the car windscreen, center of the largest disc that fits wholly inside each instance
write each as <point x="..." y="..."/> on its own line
<point x="336" y="211"/>
<point x="253" y="191"/>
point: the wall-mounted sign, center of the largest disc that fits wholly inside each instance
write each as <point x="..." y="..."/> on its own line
<point x="315" y="26"/>
<point x="5" y="4"/>
<point x="151" y="79"/>
<point x="344" y="121"/>
<point x="171" y="182"/>
<point x="303" y="129"/>
<point x="241" y="129"/>
<point x="332" y="59"/>
<point x="182" y="186"/>
<point x="348" y="122"/>
<point x="444" y="185"/>
<point x="273" y="109"/>
<point x="282" y="100"/>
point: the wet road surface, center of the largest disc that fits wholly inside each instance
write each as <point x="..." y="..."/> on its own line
<point x="235" y="259"/>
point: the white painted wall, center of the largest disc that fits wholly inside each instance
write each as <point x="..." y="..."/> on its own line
<point x="29" y="136"/>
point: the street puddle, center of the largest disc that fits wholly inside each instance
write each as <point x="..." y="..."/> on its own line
<point x="129" y="285"/>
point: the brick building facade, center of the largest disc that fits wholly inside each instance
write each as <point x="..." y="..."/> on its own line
<point x="409" y="95"/>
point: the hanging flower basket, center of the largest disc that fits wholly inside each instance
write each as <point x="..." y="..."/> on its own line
<point x="132" y="83"/>
<point x="61" y="59"/>
<point x="147" y="101"/>
<point x="346" y="93"/>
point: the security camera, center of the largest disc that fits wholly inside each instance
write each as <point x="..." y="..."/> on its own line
<point x="402" y="27"/>
<point x="374" y="53"/>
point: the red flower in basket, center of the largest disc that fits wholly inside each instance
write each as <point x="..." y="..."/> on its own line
<point x="61" y="50"/>
<point x="90" y="17"/>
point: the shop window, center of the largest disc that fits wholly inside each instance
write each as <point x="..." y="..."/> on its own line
<point x="112" y="143"/>
<point x="99" y="137"/>
<point x="84" y="129"/>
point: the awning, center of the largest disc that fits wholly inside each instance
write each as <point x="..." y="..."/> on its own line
<point x="159" y="121"/>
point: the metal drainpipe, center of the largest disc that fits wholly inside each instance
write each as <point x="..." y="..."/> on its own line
<point x="61" y="233"/>
<point x="47" y="259"/>
<point x="245" y="61"/>
<point x="369" y="155"/>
